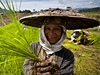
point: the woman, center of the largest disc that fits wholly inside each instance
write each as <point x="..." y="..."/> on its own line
<point x="58" y="59"/>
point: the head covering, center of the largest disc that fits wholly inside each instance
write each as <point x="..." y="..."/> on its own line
<point x="71" y="19"/>
<point x="77" y="30"/>
<point x="50" y="49"/>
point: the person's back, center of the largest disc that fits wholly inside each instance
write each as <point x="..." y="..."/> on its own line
<point x="75" y="35"/>
<point x="83" y="39"/>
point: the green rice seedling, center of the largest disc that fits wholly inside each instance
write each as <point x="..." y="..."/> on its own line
<point x="12" y="39"/>
<point x="18" y="45"/>
<point x="15" y="42"/>
<point x="96" y="40"/>
<point x="11" y="66"/>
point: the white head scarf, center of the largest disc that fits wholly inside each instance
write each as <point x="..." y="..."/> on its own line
<point x="50" y="49"/>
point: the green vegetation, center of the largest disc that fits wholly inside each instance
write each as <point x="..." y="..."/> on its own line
<point x="93" y="12"/>
<point x="15" y="40"/>
<point x="86" y="56"/>
<point x="96" y="9"/>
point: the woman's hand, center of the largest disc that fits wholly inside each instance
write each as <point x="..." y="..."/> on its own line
<point x="46" y="68"/>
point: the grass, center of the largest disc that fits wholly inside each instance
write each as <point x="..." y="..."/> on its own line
<point x="12" y="65"/>
<point x="71" y="46"/>
<point x="86" y="56"/>
<point x="19" y="43"/>
<point x="92" y="14"/>
<point x="15" y="40"/>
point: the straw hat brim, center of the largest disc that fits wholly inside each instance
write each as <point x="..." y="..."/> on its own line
<point x="73" y="20"/>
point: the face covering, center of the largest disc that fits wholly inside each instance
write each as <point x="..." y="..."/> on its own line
<point x="50" y="49"/>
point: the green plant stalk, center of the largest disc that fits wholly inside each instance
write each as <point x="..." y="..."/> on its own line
<point x="17" y="49"/>
<point x="8" y="61"/>
<point x="17" y="52"/>
<point x="15" y="39"/>
<point x="12" y="13"/>
<point x="13" y="46"/>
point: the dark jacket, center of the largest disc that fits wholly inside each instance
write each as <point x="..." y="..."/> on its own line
<point x="64" y="59"/>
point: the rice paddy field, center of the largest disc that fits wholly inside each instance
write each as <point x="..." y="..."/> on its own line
<point x="15" y="40"/>
<point x="87" y="57"/>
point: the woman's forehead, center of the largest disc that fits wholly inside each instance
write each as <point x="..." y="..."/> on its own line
<point x="52" y="24"/>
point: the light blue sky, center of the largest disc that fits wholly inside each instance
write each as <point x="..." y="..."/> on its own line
<point x="45" y="4"/>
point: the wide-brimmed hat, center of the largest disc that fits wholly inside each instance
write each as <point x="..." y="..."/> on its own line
<point x="71" y="19"/>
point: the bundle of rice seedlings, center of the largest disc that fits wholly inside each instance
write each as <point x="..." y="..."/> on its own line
<point x="14" y="44"/>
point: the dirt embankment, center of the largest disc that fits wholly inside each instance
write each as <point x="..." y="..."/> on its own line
<point x="6" y="20"/>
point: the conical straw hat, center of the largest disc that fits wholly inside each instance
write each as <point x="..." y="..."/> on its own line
<point x="70" y="19"/>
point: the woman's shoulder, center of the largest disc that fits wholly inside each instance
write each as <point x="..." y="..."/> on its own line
<point x="64" y="52"/>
